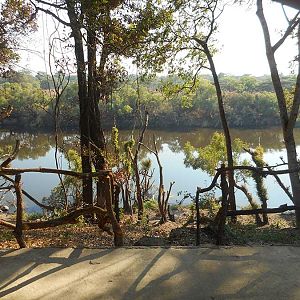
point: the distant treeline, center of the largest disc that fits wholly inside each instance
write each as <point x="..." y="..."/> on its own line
<point x="249" y="102"/>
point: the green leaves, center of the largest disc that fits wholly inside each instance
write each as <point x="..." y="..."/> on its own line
<point x="210" y="157"/>
<point x="17" y="19"/>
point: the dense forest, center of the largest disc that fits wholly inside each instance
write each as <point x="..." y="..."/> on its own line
<point x="250" y="102"/>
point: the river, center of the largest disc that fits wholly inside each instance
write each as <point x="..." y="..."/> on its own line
<point x="38" y="150"/>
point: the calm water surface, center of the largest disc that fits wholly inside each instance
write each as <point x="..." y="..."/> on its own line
<point x="38" y="150"/>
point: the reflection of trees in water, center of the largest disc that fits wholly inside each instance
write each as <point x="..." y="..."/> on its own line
<point x="35" y="145"/>
<point x="268" y="138"/>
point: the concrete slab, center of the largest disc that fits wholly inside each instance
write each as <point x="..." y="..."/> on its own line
<point x="271" y="272"/>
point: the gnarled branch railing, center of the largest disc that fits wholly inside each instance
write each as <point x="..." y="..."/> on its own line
<point x="265" y="171"/>
<point x="71" y="217"/>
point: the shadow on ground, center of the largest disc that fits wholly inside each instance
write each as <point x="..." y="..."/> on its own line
<point x="151" y="273"/>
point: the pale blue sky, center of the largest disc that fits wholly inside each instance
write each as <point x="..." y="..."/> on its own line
<point x="242" y="44"/>
<point x="240" y="39"/>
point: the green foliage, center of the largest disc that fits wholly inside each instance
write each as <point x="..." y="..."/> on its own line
<point x="208" y="158"/>
<point x="17" y="19"/>
<point x="150" y="204"/>
<point x="70" y="187"/>
<point x="128" y="146"/>
<point x="115" y="139"/>
<point x="146" y="164"/>
<point x="209" y="202"/>
<point x="34" y="216"/>
<point x="168" y="107"/>
<point x="74" y="160"/>
<point x="257" y="156"/>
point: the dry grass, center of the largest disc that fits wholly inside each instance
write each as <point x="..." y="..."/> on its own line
<point x="150" y="233"/>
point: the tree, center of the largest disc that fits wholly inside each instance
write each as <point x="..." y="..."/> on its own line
<point x="288" y="115"/>
<point x="106" y="31"/>
<point x="194" y="36"/>
<point x="17" y="18"/>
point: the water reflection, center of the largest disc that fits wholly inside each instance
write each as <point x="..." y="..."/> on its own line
<point x="38" y="150"/>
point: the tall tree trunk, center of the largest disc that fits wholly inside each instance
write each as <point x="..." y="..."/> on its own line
<point x="231" y="181"/>
<point x="84" y="104"/>
<point x="96" y="134"/>
<point x="287" y="120"/>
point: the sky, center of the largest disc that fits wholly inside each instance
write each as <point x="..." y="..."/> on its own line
<point x="240" y="42"/>
<point x="242" y="49"/>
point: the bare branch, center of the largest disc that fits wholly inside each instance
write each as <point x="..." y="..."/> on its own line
<point x="292" y="25"/>
<point x="10" y="171"/>
<point x="49" y="12"/>
<point x="12" y="156"/>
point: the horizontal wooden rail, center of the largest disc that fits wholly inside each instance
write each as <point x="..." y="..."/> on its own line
<point x="11" y="171"/>
<point x="260" y="171"/>
<point x="70" y="218"/>
<point x="275" y="210"/>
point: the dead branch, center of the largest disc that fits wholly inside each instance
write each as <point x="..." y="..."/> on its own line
<point x="7" y="224"/>
<point x="12" y="156"/>
<point x="279" y="209"/>
<point x="47" y="207"/>
<point x="284" y="188"/>
<point x="12" y="171"/>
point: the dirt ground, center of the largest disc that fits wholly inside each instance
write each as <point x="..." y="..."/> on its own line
<point x="150" y="233"/>
<point x="139" y="273"/>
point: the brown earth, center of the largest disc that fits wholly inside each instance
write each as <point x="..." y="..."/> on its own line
<point x="150" y="233"/>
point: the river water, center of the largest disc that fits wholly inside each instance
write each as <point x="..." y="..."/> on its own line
<point x="38" y="150"/>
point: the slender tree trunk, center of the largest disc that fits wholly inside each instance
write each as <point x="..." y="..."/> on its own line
<point x="96" y="134"/>
<point x="287" y="120"/>
<point x="289" y="142"/>
<point x="231" y="181"/>
<point x="84" y="104"/>
<point x="139" y="197"/>
<point x="134" y="159"/>
<point x="18" y="232"/>
<point x="118" y="234"/>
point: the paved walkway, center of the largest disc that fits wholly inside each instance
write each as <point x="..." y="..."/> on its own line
<point x="270" y="272"/>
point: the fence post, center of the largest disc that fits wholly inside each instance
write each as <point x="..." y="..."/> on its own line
<point x="224" y="208"/>
<point x="198" y="217"/>
<point x="18" y="232"/>
<point x="118" y="234"/>
<point x="117" y="191"/>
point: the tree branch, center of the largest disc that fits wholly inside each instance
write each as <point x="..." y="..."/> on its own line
<point x="47" y="207"/>
<point x="292" y="25"/>
<point x="11" y="171"/>
<point x="12" y="156"/>
<point x="49" y="12"/>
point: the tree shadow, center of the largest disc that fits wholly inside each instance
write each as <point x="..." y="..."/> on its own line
<point x="186" y="280"/>
<point x="39" y="257"/>
<point x="157" y="273"/>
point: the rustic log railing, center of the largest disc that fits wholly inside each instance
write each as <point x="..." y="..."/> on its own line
<point x="224" y="212"/>
<point x="106" y="215"/>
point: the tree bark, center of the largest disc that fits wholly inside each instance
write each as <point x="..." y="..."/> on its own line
<point x="84" y="104"/>
<point x="230" y="173"/>
<point x="18" y="232"/>
<point x="118" y="234"/>
<point x="287" y="120"/>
